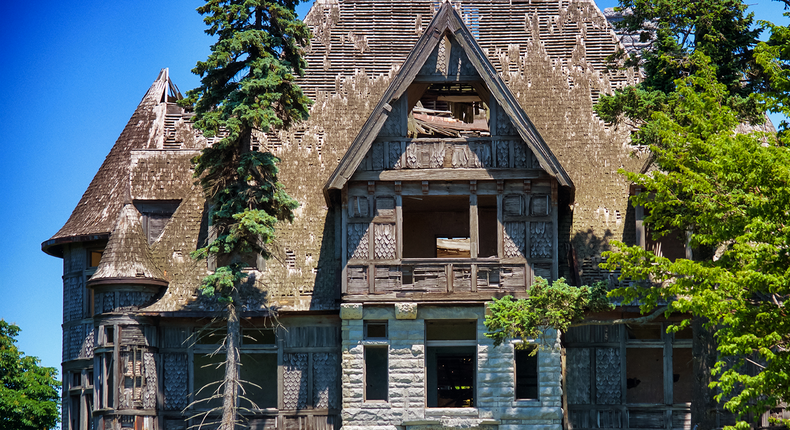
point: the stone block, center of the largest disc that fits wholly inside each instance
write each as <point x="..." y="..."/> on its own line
<point x="378" y="313"/>
<point x="531" y="413"/>
<point x="406" y="311"/>
<point x="550" y="391"/>
<point x="351" y="311"/>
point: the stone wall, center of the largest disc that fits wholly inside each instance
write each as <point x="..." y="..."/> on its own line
<point x="495" y="403"/>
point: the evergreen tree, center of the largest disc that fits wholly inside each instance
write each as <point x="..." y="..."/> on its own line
<point x="29" y="393"/>
<point x="247" y="85"/>
<point x="674" y="31"/>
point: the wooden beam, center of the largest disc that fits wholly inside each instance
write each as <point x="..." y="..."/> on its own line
<point x="448" y="175"/>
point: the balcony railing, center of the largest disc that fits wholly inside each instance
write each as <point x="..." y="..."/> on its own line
<point x="439" y="276"/>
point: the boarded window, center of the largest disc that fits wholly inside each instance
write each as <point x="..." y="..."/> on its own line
<point x="526" y="373"/>
<point x="376" y="373"/>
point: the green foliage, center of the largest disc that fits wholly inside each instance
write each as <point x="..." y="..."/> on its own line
<point x="773" y="56"/>
<point x="29" y="393"/>
<point x="718" y="29"/>
<point x="556" y="305"/>
<point x="248" y="84"/>
<point x="731" y="193"/>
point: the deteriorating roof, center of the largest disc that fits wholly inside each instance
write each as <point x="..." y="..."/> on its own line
<point x="99" y="206"/>
<point x="446" y="22"/>
<point x="127" y="255"/>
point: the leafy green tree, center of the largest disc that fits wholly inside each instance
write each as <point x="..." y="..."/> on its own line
<point x="675" y="30"/>
<point x="247" y="85"/>
<point x="731" y="193"/>
<point x="29" y="393"/>
<point x="549" y="306"/>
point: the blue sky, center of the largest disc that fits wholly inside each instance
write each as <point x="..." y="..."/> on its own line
<point x="72" y="74"/>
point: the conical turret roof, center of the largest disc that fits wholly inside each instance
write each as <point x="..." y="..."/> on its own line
<point x="127" y="255"/>
<point x="98" y="209"/>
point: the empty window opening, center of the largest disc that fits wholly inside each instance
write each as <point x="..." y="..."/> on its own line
<point x="682" y="375"/>
<point x="449" y="109"/>
<point x="526" y="360"/>
<point x="209" y="371"/>
<point x="451" y="363"/>
<point x="375" y="330"/>
<point x="487" y="226"/>
<point x="376" y="374"/>
<point x="644" y="375"/>
<point x="258" y="373"/>
<point x="155" y="215"/>
<point x="425" y="220"/>
<point x="451" y="376"/>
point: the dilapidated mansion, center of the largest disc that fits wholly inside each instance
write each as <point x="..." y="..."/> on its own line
<point x="452" y="155"/>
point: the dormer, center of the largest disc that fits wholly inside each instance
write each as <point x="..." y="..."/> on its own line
<point x="448" y="191"/>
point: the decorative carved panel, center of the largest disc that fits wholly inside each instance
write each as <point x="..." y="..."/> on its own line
<point x="176" y="388"/>
<point x="377" y="157"/>
<point x="541" y="205"/>
<point x="503" y="125"/>
<point x="513" y="205"/>
<point x="607" y="376"/>
<point x="357" y="241"/>
<point x="86" y="350"/>
<point x="540" y="239"/>
<point x="358" y="206"/>
<point x="520" y="156"/>
<point x="515" y="239"/>
<point x="393" y="155"/>
<point x="149" y="392"/>
<point x="385" y="241"/>
<point x="578" y="377"/>
<point x="108" y="302"/>
<point x="325" y="395"/>
<point x="385" y="207"/>
<point x="295" y="381"/>
<point x="502" y="153"/>
<point x="482" y="153"/>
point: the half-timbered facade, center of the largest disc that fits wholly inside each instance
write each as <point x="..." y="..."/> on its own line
<point x="451" y="156"/>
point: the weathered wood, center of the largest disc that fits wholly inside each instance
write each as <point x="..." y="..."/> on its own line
<point x="446" y="175"/>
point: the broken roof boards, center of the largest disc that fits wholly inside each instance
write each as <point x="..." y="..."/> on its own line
<point x="427" y="63"/>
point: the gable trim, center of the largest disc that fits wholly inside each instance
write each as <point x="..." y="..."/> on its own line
<point x="446" y="19"/>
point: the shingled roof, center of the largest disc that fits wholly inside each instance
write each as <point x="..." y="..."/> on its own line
<point x="446" y="22"/>
<point x="127" y="256"/>
<point x="98" y="209"/>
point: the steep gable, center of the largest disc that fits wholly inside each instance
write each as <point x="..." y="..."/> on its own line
<point x="429" y="63"/>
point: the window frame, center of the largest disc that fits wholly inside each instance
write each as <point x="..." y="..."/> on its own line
<point x="438" y="344"/>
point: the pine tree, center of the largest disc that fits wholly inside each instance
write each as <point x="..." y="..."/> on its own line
<point x="247" y="85"/>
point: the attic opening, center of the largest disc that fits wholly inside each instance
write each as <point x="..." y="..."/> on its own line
<point x="448" y="109"/>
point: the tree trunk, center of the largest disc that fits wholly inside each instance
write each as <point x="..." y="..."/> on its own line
<point x="231" y="382"/>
